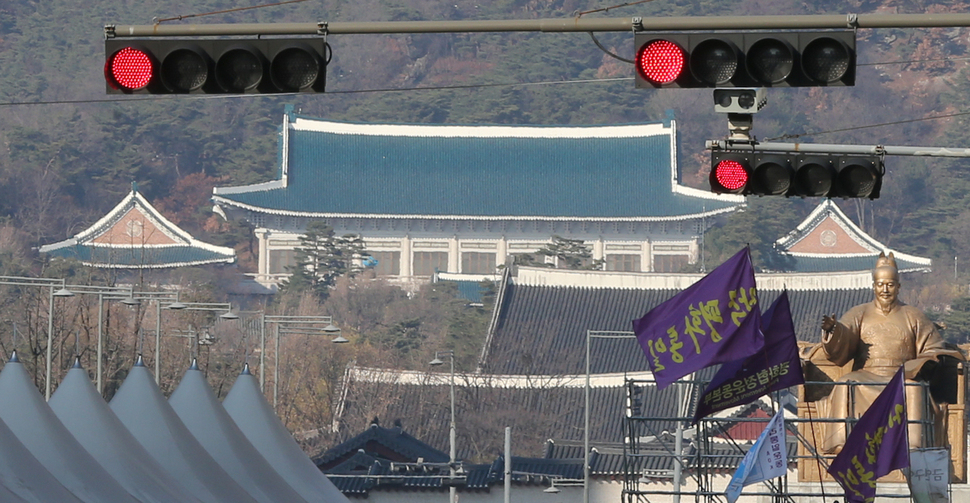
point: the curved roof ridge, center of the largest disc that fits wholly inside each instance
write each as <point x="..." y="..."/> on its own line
<point x="477" y="130"/>
<point x="619" y="280"/>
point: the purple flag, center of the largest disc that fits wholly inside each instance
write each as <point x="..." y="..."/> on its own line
<point x="715" y="320"/>
<point x="777" y="366"/>
<point x="877" y="445"/>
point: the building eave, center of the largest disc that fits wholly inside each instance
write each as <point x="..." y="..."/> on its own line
<point x="223" y="201"/>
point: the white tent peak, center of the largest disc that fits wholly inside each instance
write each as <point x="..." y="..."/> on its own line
<point x="34" y="423"/>
<point x="98" y="429"/>
<point x="139" y="404"/>
<point x="253" y="415"/>
<point x="199" y="409"/>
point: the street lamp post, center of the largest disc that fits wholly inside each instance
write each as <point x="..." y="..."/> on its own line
<point x="198" y="338"/>
<point x="186" y="306"/>
<point x="170" y="300"/>
<point x="103" y="292"/>
<point x="297" y="325"/>
<point x="158" y="297"/>
<point x="50" y="283"/>
<point x="63" y="292"/>
<point x="590" y="335"/>
<point x="452" y="490"/>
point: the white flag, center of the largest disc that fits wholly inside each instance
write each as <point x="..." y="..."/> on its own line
<point x="767" y="458"/>
<point x="929" y="475"/>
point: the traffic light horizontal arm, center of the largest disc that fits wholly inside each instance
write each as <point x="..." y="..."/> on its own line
<point x="824" y="148"/>
<point x="678" y="23"/>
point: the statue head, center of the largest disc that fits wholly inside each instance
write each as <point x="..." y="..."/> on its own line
<point x="885" y="281"/>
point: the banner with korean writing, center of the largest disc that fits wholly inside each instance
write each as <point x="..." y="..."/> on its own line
<point x="877" y="445"/>
<point x="776" y="367"/>
<point x="766" y="459"/>
<point x="715" y="320"/>
<point x="929" y="475"/>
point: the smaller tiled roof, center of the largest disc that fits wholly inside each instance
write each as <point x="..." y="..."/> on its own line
<point x="828" y="241"/>
<point x="554" y="405"/>
<point x="362" y="472"/>
<point x="606" y="459"/>
<point x="134" y="235"/>
<point x="394" y="444"/>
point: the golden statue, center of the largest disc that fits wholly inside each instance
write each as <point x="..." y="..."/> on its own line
<point x="877" y="338"/>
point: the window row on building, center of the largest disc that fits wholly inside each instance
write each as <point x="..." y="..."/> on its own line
<point x="639" y="257"/>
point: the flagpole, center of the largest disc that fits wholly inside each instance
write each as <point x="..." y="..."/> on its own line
<point x="679" y="442"/>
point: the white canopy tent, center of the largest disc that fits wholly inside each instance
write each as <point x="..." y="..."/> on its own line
<point x="199" y="409"/>
<point x="86" y="415"/>
<point x="22" y="477"/>
<point x="34" y="423"/>
<point x="140" y="406"/>
<point x="250" y="411"/>
<point x="144" y="449"/>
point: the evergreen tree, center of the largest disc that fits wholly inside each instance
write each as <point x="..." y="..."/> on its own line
<point x="567" y="254"/>
<point x="321" y="258"/>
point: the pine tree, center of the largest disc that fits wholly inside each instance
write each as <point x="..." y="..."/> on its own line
<point x="321" y="258"/>
<point x="570" y="254"/>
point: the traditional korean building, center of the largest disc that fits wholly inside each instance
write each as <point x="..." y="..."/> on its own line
<point x="530" y="375"/>
<point x="465" y="199"/>
<point x="135" y="235"/>
<point x="827" y="241"/>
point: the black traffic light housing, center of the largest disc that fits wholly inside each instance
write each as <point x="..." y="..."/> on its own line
<point x="745" y="59"/>
<point x="748" y="171"/>
<point x="216" y="65"/>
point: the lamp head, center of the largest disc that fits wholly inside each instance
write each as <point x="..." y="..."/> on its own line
<point x="131" y="301"/>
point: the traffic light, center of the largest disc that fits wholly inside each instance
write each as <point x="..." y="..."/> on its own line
<point x="761" y="173"/>
<point x="745" y="59"/>
<point x="197" y="65"/>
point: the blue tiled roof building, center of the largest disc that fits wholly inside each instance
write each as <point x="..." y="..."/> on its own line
<point x="465" y="198"/>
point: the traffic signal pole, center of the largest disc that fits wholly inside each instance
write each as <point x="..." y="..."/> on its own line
<point x="823" y="148"/>
<point x="558" y="25"/>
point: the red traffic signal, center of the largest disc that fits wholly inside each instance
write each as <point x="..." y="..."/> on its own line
<point x="171" y="66"/>
<point x="745" y="59"/>
<point x="660" y="61"/>
<point x="729" y="173"/>
<point x="130" y="69"/>
<point x="749" y="172"/>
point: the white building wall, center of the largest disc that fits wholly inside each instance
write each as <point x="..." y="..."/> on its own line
<point x="501" y="237"/>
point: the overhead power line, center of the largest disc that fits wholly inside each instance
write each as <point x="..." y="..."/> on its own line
<point x="186" y="97"/>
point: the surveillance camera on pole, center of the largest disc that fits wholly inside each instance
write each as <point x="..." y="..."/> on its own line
<point x="741" y="100"/>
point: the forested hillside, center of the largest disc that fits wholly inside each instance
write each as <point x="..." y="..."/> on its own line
<point x="71" y="151"/>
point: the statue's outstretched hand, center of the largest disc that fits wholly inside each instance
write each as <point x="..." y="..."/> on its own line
<point x="828" y="322"/>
